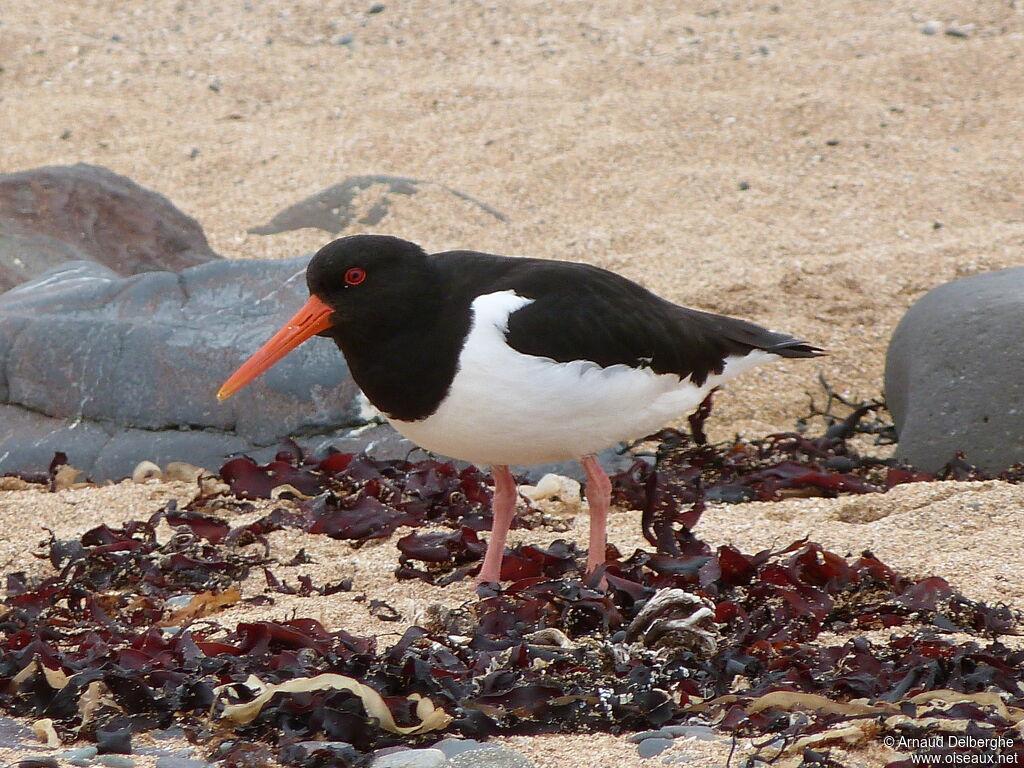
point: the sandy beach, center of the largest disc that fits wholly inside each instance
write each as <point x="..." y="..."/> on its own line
<point x="815" y="167"/>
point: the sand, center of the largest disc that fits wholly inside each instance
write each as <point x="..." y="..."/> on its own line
<point x="814" y="166"/>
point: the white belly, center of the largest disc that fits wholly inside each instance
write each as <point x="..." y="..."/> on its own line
<point x="505" y="407"/>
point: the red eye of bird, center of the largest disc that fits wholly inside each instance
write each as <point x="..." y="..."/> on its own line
<point x="355" y="275"/>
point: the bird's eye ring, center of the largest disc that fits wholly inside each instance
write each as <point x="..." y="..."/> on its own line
<point x="354" y="275"/>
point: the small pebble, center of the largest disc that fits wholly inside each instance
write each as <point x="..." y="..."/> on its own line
<point x="744" y="186"/>
<point x="82" y="753"/>
<point x="376" y="8"/>
<point x="412" y="758"/>
<point x="661" y="733"/>
<point x="344" y="40"/>
<point x="115" y="761"/>
<point x="652" y="747"/>
<point x="958" y="32"/>
<point x="146" y="470"/>
<point x="840" y="463"/>
<point x="931" y="27"/>
<point x="182" y="470"/>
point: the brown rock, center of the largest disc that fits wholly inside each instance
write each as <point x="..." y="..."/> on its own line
<point x="55" y="214"/>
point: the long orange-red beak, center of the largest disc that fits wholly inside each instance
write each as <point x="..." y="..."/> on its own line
<point x="314" y="317"/>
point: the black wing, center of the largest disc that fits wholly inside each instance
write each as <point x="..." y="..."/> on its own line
<point x="592" y="314"/>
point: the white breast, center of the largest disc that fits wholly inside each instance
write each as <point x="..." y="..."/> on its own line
<point x="505" y="407"/>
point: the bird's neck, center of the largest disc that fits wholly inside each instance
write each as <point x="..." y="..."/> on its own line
<point x="405" y="360"/>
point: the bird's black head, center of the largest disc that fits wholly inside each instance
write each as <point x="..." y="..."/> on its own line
<point x="364" y="290"/>
<point x="369" y="278"/>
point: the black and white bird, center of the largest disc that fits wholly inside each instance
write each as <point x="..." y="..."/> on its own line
<point x="498" y="360"/>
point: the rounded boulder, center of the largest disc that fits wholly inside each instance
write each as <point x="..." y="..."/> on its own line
<point x="954" y="374"/>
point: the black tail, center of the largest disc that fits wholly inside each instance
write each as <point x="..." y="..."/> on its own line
<point x="753" y="336"/>
<point x="790" y="347"/>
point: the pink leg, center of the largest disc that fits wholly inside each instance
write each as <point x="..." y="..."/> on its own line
<point x="503" y="505"/>
<point x="599" y="497"/>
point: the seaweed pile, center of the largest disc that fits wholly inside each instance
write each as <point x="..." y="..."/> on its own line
<point x="122" y="637"/>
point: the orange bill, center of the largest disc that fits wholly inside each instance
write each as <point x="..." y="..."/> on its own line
<point x="313" y="318"/>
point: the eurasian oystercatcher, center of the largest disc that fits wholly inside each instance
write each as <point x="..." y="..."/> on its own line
<point x="499" y="361"/>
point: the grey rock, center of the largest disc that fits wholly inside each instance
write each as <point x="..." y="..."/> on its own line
<point x="452" y="747"/>
<point x="113" y="370"/>
<point x="952" y="374"/>
<point x="335" y="208"/>
<point x="55" y="214"/>
<point x="652" y="747"/>
<point x="176" y="761"/>
<point x="493" y="757"/>
<point x="412" y="758"/>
